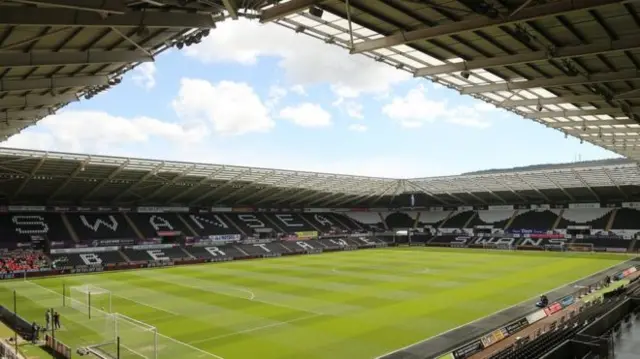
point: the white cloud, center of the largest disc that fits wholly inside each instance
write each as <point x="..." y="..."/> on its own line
<point x="145" y="75"/>
<point x="415" y="110"/>
<point x="232" y="108"/>
<point x="303" y="59"/>
<point x="358" y="127"/>
<point x="100" y="132"/>
<point x="307" y="115"/>
<point x="299" y="90"/>
<point x="276" y="93"/>
<point x="354" y="109"/>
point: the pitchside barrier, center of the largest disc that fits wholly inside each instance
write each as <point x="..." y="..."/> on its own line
<point x="497" y="335"/>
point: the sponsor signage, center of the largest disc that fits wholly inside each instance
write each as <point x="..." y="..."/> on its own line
<point x="162" y="209"/>
<point x="111" y="242"/>
<point x="494" y="337"/>
<point x="516" y="326"/>
<point x="579" y="228"/>
<point x="83" y="250"/>
<point x="500" y="208"/>
<point x="584" y="205"/>
<point x="221" y="209"/>
<point x="26" y="208"/>
<point x="225" y="237"/>
<point x="553" y="308"/>
<point x="536" y="316"/>
<point x="631" y="204"/>
<point x="169" y="233"/>
<point x="468" y="350"/>
<point x="58" y="346"/>
<point x="307" y="234"/>
<point x="567" y="301"/>
<point x="152" y="246"/>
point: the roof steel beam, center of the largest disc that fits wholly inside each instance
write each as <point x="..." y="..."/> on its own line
<point x="577" y="174"/>
<point x="291" y="7"/>
<point x="569" y="113"/>
<point x="140" y="181"/>
<point x="175" y="179"/>
<point x="28" y="59"/>
<point x="558" y="185"/>
<point x="33" y="172"/>
<point x="553" y="100"/>
<point x="538" y="56"/>
<point x="51" y="83"/>
<point x="71" y="177"/>
<point x="33" y="16"/>
<point x="554" y="82"/>
<point x="215" y="190"/>
<point x="232" y="7"/>
<point x="234" y="192"/>
<point x="102" y="183"/>
<point x="280" y="186"/>
<point x="27" y="114"/>
<point x="606" y="172"/>
<point x="211" y="176"/>
<point x="432" y="194"/>
<point x="534" y="188"/>
<point x="33" y="100"/>
<point x="590" y="123"/>
<point x="100" y="6"/>
<point x="480" y="22"/>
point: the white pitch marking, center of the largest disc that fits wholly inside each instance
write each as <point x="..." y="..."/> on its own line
<point x="502" y="310"/>
<point x="145" y="304"/>
<point x="255" y="329"/>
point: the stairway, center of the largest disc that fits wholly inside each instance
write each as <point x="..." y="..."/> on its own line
<point x="416" y="221"/>
<point x="612" y="218"/>
<point x="187" y="225"/>
<point x="473" y="216"/>
<point x="69" y="228"/>
<point x="513" y="217"/>
<point x="557" y="222"/>
<point x="133" y="226"/>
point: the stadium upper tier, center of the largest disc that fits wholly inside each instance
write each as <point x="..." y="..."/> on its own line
<point x="50" y="178"/>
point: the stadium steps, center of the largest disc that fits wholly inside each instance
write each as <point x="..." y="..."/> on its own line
<point x="513" y="217"/>
<point x="69" y="228"/>
<point x="342" y="223"/>
<point x="189" y="255"/>
<point x="124" y="256"/>
<point x="226" y="218"/>
<point x="311" y="224"/>
<point x="383" y="220"/>
<point x="241" y="251"/>
<point x="612" y="218"/>
<point x="187" y="225"/>
<point x="632" y="245"/>
<point x="471" y="218"/>
<point x="446" y="219"/>
<point x="557" y="222"/>
<point x="416" y="221"/>
<point x="133" y="226"/>
<point x="287" y="250"/>
<point x="274" y="224"/>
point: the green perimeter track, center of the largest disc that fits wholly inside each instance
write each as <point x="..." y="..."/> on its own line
<point x="342" y="305"/>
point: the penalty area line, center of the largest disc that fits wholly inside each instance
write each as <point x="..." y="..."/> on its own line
<point x="255" y="329"/>
<point x="571" y="284"/>
<point x="146" y="305"/>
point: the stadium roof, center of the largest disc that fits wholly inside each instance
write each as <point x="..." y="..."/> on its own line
<point x="34" y="177"/>
<point x="571" y="65"/>
<point x="52" y="52"/>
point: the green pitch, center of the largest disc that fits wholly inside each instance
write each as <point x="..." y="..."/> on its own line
<point x="343" y="305"/>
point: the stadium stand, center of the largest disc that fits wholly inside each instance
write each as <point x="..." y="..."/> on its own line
<point x="534" y="219"/>
<point x="432" y="219"/>
<point x="206" y="224"/>
<point x="458" y="220"/>
<point x="91" y="226"/>
<point x="400" y="220"/>
<point x="22" y="261"/>
<point x="583" y="218"/>
<point x="497" y="219"/>
<point x="152" y="225"/>
<point x="23" y="227"/>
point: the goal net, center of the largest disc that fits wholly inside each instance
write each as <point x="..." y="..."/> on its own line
<point x="560" y="247"/>
<point x="128" y="338"/>
<point x="501" y="246"/>
<point x="580" y="247"/>
<point x="90" y="299"/>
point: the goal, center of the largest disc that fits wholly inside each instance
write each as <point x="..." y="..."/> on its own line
<point x="128" y="338"/>
<point x="502" y="246"/>
<point x="580" y="247"/>
<point x="560" y="247"/>
<point x="90" y="299"/>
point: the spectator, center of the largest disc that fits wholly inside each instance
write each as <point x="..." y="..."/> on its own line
<point x="20" y="260"/>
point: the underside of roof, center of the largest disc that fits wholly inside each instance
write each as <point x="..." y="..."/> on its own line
<point x="573" y="66"/>
<point x="50" y="178"/>
<point x="53" y="52"/>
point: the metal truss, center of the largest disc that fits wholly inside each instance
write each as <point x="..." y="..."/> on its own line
<point x="174" y="180"/>
<point x="102" y="183"/>
<point x="586" y="185"/>
<point x="244" y="187"/>
<point x="79" y="168"/>
<point x="9" y="115"/>
<point x="34" y="100"/>
<point x="585" y="125"/>
<point x="290" y="7"/>
<point x="221" y="187"/>
<point x="282" y="186"/>
<point x="559" y="53"/>
<point x="561" y="188"/>
<point x="33" y="16"/>
<point x="100" y="6"/>
<point x="8" y="84"/>
<point x="624" y="75"/>
<point x="555" y="8"/>
<point x="31" y="175"/>
<point x="613" y="111"/>
<point x="199" y="185"/>
<point x="29" y="59"/>
<point x="139" y="182"/>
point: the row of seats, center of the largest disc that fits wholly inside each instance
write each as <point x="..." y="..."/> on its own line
<point x="539" y="219"/>
<point x="22" y="261"/>
<point x="609" y="243"/>
<point x="21" y="227"/>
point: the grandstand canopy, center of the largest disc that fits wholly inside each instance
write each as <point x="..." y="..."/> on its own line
<point x="34" y="177"/>
<point x="53" y="52"/>
<point x="570" y="65"/>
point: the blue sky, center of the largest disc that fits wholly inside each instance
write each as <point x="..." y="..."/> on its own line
<point x="264" y="96"/>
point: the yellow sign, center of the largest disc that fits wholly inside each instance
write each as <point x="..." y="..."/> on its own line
<point x="307" y="235"/>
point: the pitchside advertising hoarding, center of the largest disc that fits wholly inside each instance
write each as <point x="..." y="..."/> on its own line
<point x="306" y="235"/>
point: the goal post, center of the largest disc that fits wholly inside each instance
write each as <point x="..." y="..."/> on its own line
<point x="580" y="247"/>
<point x="128" y="338"/>
<point x="90" y="300"/>
<point x="501" y="246"/>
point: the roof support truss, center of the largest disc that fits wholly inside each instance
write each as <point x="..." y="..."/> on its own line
<point x="232" y="193"/>
<point x="7" y="116"/>
<point x="580" y="124"/>
<point x="479" y="22"/>
<point x="290" y="7"/>
<point x="379" y="193"/>
<point x="34" y="16"/>
<point x="171" y="182"/>
<point x="577" y="174"/>
<point x="134" y="185"/>
<point x="534" y="188"/>
<point x="202" y="182"/>
<point x="221" y="187"/>
<point x="100" y="6"/>
<point x="232" y="8"/>
<point x="31" y="174"/>
<point x="429" y="193"/>
<point x="606" y="172"/>
<point x="33" y="100"/>
<point x="538" y="56"/>
<point x="559" y="186"/>
<point x="73" y="175"/>
<point x="51" y="83"/>
<point x="554" y="82"/>
<point x="504" y="183"/>
<point x="102" y="183"/>
<point x="29" y="59"/>
<point x="613" y="111"/>
<point x="278" y="187"/>
<point x="553" y="100"/>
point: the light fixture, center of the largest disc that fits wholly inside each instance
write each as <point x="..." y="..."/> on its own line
<point x="465" y="74"/>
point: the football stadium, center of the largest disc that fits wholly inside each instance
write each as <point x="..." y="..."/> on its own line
<point x="119" y="257"/>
